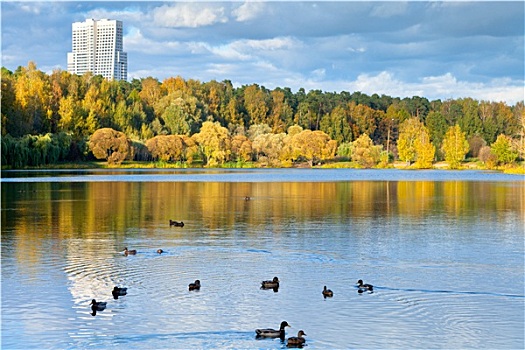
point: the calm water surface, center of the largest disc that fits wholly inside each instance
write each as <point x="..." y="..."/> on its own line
<point x="444" y="250"/>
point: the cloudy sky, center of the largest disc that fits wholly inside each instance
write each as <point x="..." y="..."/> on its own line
<point x="437" y="50"/>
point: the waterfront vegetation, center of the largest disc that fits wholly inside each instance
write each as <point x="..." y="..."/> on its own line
<point x="62" y="120"/>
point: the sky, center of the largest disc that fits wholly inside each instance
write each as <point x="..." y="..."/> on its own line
<point x="438" y="50"/>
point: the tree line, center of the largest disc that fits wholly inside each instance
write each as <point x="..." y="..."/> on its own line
<point x="49" y="118"/>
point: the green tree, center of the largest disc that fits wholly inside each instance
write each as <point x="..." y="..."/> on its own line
<point x="111" y="145"/>
<point x="470" y="122"/>
<point x="437" y="127"/>
<point x="11" y="117"/>
<point x="365" y="118"/>
<point x="344" y="150"/>
<point x="336" y="125"/>
<point x="72" y="115"/>
<point x="455" y="146"/>
<point x="503" y="150"/>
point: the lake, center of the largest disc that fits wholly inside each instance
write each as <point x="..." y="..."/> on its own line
<point x="443" y="249"/>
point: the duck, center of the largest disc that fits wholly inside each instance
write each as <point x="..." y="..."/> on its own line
<point x="272" y="333"/>
<point x="297" y="341"/>
<point x="176" y="223"/>
<point x="160" y="251"/>
<point x="195" y="285"/>
<point x="98" y="305"/>
<point x="129" y="252"/>
<point x="364" y="286"/>
<point x="274" y="283"/>
<point x="118" y="292"/>
<point x="327" y="293"/>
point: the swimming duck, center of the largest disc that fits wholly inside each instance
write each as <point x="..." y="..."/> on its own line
<point x="297" y="341"/>
<point x="129" y="252"/>
<point x="364" y="286"/>
<point x="327" y="293"/>
<point x="272" y="333"/>
<point x="176" y="223"/>
<point x="160" y="251"/>
<point x="195" y="285"/>
<point x="270" y="284"/>
<point x="118" y="292"/>
<point x="98" y="305"/>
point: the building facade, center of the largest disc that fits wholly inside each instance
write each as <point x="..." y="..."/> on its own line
<point x="97" y="48"/>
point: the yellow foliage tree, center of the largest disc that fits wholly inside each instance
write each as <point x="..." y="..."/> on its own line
<point x="214" y="143"/>
<point x="414" y="144"/>
<point x="365" y="153"/>
<point x="455" y="146"/>
<point x="312" y="146"/>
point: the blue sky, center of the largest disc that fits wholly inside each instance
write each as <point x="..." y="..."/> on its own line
<point x="437" y="50"/>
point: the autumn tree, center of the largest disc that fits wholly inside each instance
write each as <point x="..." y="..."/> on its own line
<point x="257" y="130"/>
<point x="241" y="148"/>
<point x="281" y="113"/>
<point x="425" y="151"/>
<point x="364" y="152"/>
<point x="166" y="147"/>
<point x="488" y="157"/>
<point x="476" y="142"/>
<point x="365" y="118"/>
<point x="111" y="145"/>
<point x="455" y="146"/>
<point x="313" y="146"/>
<point x="32" y="94"/>
<point x="151" y="90"/>
<point x="256" y="104"/>
<point x="269" y="148"/>
<point x="414" y="144"/>
<point x="214" y="143"/>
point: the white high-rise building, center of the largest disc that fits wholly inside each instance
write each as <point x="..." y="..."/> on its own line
<point x="97" y="48"/>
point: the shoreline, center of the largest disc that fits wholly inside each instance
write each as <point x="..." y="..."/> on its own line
<point x="515" y="169"/>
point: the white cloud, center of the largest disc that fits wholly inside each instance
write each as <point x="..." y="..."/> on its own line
<point x="433" y="87"/>
<point x="191" y="15"/>
<point x="136" y="42"/>
<point x="319" y="74"/>
<point x="35" y="9"/>
<point x="247" y="11"/>
<point x="388" y="9"/>
<point x="244" y="50"/>
<point x="280" y="43"/>
<point x="229" y="52"/>
<point x="125" y="15"/>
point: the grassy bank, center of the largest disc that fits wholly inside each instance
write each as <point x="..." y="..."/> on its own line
<point x="470" y="165"/>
